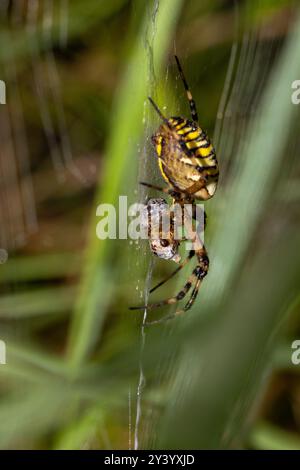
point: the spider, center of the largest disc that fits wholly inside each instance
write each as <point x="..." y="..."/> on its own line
<point x="188" y="163"/>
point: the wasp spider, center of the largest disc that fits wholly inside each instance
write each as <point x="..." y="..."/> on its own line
<point x="188" y="163"/>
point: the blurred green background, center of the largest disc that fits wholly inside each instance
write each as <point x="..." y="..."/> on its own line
<point x="81" y="373"/>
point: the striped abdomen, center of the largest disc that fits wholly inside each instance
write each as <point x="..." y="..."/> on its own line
<point x="186" y="156"/>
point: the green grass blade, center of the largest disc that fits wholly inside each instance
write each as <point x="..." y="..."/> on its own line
<point x="219" y="388"/>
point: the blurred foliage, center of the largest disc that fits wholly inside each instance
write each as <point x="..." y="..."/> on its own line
<point x="75" y="133"/>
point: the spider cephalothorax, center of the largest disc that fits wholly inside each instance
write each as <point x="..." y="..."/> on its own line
<point x="188" y="163"/>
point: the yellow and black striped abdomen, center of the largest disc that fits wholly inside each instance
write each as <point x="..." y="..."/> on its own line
<point x="186" y="155"/>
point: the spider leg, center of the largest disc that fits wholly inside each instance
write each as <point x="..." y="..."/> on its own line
<point x="195" y="187"/>
<point x="192" y="299"/>
<point x="153" y="186"/>
<point x="188" y="258"/>
<point x="170" y="300"/>
<point x="168" y="191"/>
<point x="162" y="117"/>
<point x="198" y="274"/>
<point x="187" y="306"/>
<point x="192" y="103"/>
